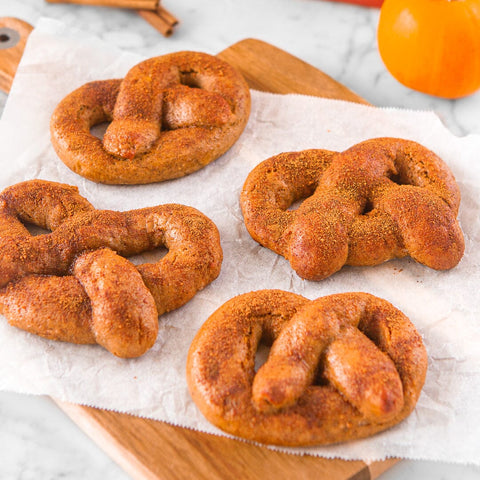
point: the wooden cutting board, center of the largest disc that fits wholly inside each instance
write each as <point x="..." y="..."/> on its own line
<point x="152" y="450"/>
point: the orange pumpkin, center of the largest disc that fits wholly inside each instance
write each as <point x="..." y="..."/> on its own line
<point x="432" y="46"/>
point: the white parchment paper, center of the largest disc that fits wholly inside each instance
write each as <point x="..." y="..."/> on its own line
<point x="443" y="305"/>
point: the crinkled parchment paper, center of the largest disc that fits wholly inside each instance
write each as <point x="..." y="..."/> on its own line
<point x="443" y="305"/>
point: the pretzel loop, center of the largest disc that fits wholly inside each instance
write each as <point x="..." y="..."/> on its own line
<point x="381" y="199"/>
<point x="73" y="284"/>
<point x="340" y="367"/>
<point x="170" y="116"/>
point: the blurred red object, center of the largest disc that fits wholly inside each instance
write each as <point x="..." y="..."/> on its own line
<point x="365" y="3"/>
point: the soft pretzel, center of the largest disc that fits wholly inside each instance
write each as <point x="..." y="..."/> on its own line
<point x="380" y="199"/>
<point x="170" y="116"/>
<point x="340" y="367"/>
<point x="74" y="285"/>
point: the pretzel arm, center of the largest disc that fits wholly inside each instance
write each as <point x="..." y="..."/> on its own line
<point x="124" y="316"/>
<point x="366" y="376"/>
<point x="272" y="187"/>
<point x="187" y="107"/>
<point x="56" y="308"/>
<point x="428" y="227"/>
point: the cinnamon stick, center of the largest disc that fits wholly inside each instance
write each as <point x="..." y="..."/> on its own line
<point x="167" y="16"/>
<point x="160" y="19"/>
<point x="134" y="4"/>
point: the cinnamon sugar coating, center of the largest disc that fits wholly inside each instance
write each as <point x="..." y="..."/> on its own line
<point x="170" y="116"/>
<point x="380" y="199"/>
<point x="75" y="285"/>
<point x="340" y="367"/>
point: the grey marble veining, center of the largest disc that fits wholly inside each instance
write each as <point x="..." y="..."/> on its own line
<point x="37" y="441"/>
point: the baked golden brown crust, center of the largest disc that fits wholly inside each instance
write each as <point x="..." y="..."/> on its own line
<point x="74" y="285"/>
<point x="171" y="115"/>
<point x="340" y="367"/>
<point x="380" y="199"/>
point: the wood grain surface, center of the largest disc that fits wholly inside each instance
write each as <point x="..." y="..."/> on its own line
<point x="13" y="36"/>
<point x="270" y="69"/>
<point x="153" y="450"/>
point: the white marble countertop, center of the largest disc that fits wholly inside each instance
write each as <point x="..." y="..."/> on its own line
<point x="36" y="439"/>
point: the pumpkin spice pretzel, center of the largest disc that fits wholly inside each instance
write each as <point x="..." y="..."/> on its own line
<point x="380" y="199"/>
<point x="75" y="285"/>
<point x="340" y="367"/>
<point x="170" y="116"/>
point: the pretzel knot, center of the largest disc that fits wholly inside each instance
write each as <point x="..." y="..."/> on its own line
<point x="380" y="199"/>
<point x="340" y="367"/>
<point x="74" y="285"/>
<point x="170" y="116"/>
